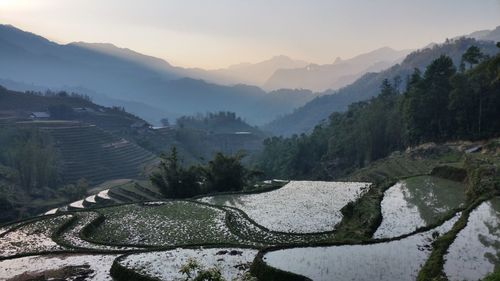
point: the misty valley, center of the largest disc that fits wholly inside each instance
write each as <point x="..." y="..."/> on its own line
<point x="119" y="165"/>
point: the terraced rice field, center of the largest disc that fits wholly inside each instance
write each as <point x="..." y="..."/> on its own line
<point x="90" y="267"/>
<point x="166" y="224"/>
<point x="476" y="250"/>
<point x="298" y="207"/>
<point x="416" y="202"/>
<point x="112" y="193"/>
<point x="72" y="237"/>
<point x="233" y="263"/>
<point x="395" y="260"/>
<point x="32" y="237"/>
<point x="227" y="236"/>
<point x="96" y="155"/>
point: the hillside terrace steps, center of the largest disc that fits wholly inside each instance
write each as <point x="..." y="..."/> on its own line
<point x="89" y="152"/>
<point x="122" y="192"/>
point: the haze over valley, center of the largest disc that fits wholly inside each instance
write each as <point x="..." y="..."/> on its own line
<point x="258" y="140"/>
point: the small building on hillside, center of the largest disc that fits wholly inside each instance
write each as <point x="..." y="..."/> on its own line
<point x="140" y="125"/>
<point x="83" y="110"/>
<point x="40" y="115"/>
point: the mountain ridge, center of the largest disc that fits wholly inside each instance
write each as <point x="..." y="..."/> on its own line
<point x="32" y="59"/>
<point x="322" y="77"/>
<point x="305" y="118"/>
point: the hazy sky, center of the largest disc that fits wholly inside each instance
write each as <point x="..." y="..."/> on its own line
<point x="217" y="33"/>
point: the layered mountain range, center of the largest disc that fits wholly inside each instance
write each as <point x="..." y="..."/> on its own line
<point x="290" y="96"/>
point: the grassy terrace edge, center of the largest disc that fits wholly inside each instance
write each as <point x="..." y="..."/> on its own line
<point x="433" y="267"/>
<point x="483" y="183"/>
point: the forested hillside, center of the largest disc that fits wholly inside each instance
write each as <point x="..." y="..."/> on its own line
<point x="305" y="118"/>
<point x="443" y="103"/>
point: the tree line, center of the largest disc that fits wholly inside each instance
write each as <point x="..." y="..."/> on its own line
<point x="221" y="174"/>
<point x="443" y="103"/>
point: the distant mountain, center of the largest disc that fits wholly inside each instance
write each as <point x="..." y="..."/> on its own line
<point x="128" y="76"/>
<point x="335" y="75"/>
<point x="486" y="35"/>
<point x="249" y="73"/>
<point x="305" y="118"/>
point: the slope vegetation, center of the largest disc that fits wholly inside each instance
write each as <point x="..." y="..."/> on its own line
<point x="305" y="118"/>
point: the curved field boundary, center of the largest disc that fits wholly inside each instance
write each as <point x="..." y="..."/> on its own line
<point x="260" y="268"/>
<point x="264" y="272"/>
<point x="243" y="226"/>
<point x="74" y="229"/>
<point x="63" y="249"/>
<point x="275" y="232"/>
<point x="234" y="218"/>
<point x="18" y="224"/>
<point x="433" y="267"/>
<point x="90" y="228"/>
<point x="272" y="187"/>
<point x="121" y="273"/>
<point x="282" y="233"/>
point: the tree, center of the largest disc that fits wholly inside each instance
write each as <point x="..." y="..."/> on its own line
<point x="225" y="173"/>
<point x="472" y="56"/>
<point x="425" y="102"/>
<point x="173" y="180"/>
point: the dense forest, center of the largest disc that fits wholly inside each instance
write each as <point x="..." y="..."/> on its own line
<point x="446" y="102"/>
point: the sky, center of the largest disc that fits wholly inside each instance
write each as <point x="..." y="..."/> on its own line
<point x="213" y="34"/>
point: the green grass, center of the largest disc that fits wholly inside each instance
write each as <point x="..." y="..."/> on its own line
<point x="170" y="224"/>
<point x="495" y="276"/>
<point x="433" y="267"/>
<point x="362" y="218"/>
<point x="393" y="167"/>
<point x="400" y="165"/>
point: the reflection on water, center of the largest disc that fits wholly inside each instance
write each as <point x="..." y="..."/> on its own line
<point x="417" y="202"/>
<point x="476" y="250"/>
<point x="299" y="206"/>
<point x="396" y="260"/>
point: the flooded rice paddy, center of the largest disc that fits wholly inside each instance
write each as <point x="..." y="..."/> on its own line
<point x="476" y="250"/>
<point x="396" y="260"/>
<point x="417" y="202"/>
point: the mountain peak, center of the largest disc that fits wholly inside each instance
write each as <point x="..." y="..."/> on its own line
<point x="281" y="58"/>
